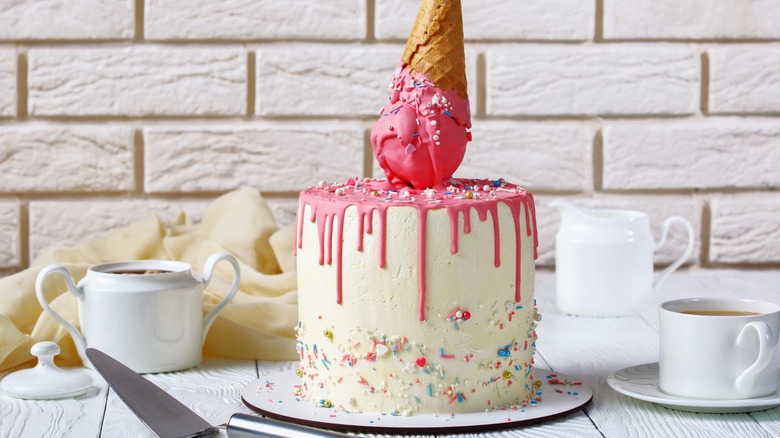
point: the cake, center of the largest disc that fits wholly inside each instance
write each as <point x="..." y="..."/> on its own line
<point x="416" y="291"/>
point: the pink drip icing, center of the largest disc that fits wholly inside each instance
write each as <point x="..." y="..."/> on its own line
<point x="326" y="207"/>
<point x="515" y="208"/>
<point x="453" y="213"/>
<point x="339" y="249"/>
<point x="361" y="225"/>
<point x="496" y="240"/>
<point x="531" y="205"/>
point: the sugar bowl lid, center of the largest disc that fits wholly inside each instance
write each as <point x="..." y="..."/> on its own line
<point x="46" y="381"/>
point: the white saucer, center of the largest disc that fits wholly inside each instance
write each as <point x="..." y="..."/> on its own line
<point x="641" y="382"/>
<point x="273" y="397"/>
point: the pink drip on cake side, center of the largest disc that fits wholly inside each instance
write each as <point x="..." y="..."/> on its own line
<point x="328" y="204"/>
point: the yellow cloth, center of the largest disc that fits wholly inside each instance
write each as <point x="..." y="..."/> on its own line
<point x="257" y="324"/>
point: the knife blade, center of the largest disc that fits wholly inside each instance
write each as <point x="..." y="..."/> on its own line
<point x="169" y="418"/>
<point x="162" y="413"/>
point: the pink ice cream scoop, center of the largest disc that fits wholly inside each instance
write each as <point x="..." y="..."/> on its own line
<point x="421" y="135"/>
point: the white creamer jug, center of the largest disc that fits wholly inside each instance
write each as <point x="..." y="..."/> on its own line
<point x="604" y="259"/>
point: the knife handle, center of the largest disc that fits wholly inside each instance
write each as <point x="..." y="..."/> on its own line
<point x="253" y="426"/>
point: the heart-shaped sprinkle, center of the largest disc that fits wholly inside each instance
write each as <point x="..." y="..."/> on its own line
<point x="421" y="362"/>
<point x="410" y="148"/>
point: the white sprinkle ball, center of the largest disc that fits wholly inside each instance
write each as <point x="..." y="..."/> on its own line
<point x="433" y="123"/>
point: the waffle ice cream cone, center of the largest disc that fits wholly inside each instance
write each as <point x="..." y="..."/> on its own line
<point x="435" y="46"/>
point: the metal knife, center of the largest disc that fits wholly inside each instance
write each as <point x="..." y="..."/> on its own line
<point x="169" y="418"/>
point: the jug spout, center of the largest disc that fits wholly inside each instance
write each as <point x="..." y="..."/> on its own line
<point x="566" y="208"/>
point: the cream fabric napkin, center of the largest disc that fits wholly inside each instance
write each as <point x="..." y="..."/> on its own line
<point x="257" y="324"/>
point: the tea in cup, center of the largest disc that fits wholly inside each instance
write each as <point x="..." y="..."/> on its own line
<point x="147" y="314"/>
<point x="719" y="348"/>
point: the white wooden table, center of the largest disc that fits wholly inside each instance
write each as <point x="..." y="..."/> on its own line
<point x="587" y="348"/>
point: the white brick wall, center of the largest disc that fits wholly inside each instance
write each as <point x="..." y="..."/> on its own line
<point x="7" y="82"/>
<point x="137" y="81"/>
<point x="491" y="20"/>
<point x="745" y="230"/>
<point x="563" y="163"/>
<point x="255" y="19"/>
<point x="66" y="19"/>
<point x="324" y="81"/>
<point x="709" y="154"/>
<point x="745" y="79"/>
<point x="668" y="106"/>
<point x="62" y="158"/>
<point x="539" y="80"/>
<point x="10" y="256"/>
<point x="233" y="155"/>
<point x="691" y="19"/>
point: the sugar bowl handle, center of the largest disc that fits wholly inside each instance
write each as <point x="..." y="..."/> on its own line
<point x="78" y="338"/>
<point x="208" y="271"/>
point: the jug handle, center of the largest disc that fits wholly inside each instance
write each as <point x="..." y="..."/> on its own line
<point x="78" y="338"/>
<point x="662" y="240"/>
<point x="208" y="271"/>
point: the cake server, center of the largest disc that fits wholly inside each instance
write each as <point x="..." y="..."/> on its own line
<point x="169" y="418"/>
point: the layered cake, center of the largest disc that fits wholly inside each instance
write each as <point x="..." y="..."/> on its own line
<point x="416" y="291"/>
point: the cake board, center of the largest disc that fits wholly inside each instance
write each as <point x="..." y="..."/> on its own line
<point x="273" y="396"/>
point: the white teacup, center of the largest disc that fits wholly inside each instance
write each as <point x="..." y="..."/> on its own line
<point x="719" y="348"/>
<point x="147" y="314"/>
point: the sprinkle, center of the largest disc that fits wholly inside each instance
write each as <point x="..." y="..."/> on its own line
<point x="433" y="122"/>
<point x="445" y="356"/>
<point x="447" y="113"/>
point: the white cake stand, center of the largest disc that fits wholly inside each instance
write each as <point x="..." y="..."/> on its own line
<point x="273" y="397"/>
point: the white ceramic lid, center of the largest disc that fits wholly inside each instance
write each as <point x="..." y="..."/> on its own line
<point x="46" y="381"/>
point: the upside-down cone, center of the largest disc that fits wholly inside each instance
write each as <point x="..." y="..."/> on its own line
<point x="435" y="46"/>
